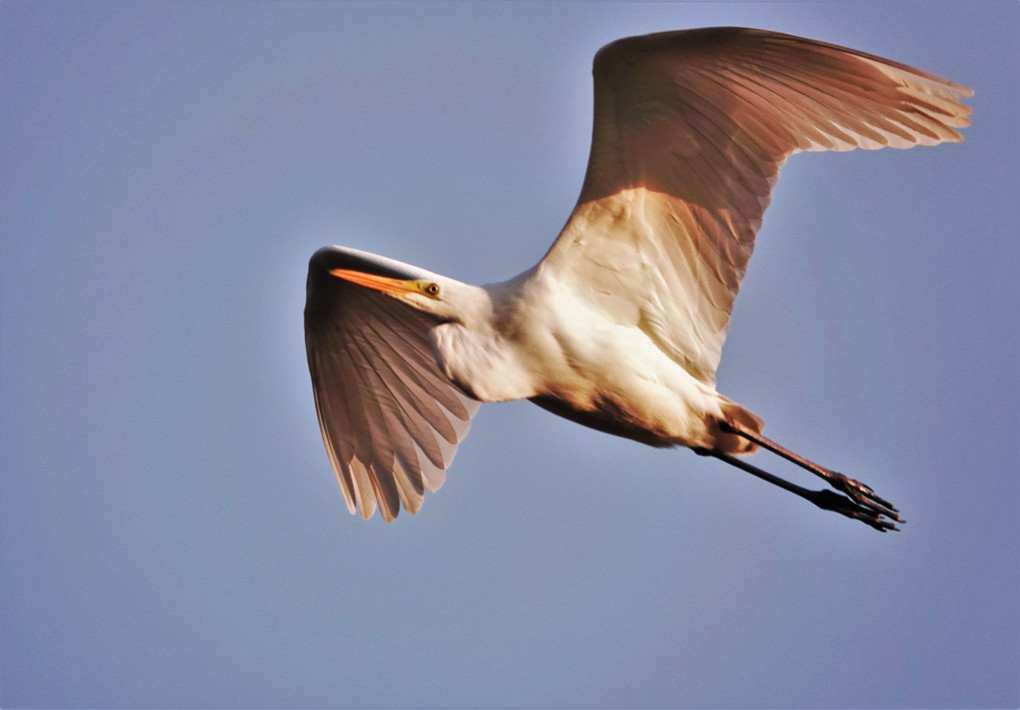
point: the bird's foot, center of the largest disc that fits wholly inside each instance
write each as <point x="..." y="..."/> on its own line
<point x="862" y="504"/>
<point x="864" y="496"/>
<point x="878" y="518"/>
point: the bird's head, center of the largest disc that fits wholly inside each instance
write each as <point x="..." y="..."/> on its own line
<point x="333" y="269"/>
<point x="422" y="294"/>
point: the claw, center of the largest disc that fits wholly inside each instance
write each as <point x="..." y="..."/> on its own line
<point x="867" y="514"/>
<point x="863" y="495"/>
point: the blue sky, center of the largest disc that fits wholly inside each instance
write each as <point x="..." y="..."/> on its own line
<point x="170" y="531"/>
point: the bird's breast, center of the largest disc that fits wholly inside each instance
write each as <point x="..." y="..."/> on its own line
<point x="482" y="363"/>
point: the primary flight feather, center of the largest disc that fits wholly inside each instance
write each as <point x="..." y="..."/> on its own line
<point x="621" y="325"/>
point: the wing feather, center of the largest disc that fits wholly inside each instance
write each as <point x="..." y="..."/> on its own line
<point x="410" y="394"/>
<point x="390" y="419"/>
<point x="690" y="131"/>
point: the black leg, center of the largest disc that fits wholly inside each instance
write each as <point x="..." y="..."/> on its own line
<point x="826" y="500"/>
<point x="861" y="493"/>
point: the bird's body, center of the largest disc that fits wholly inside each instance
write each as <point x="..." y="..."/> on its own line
<point x="535" y="338"/>
<point x="620" y="326"/>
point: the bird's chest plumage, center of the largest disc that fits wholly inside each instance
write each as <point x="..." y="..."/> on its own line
<point x="481" y="363"/>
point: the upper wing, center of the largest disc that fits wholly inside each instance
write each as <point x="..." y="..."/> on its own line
<point x="390" y="419"/>
<point x="690" y="130"/>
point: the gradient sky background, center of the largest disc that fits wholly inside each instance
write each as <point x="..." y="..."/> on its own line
<point x="170" y="531"/>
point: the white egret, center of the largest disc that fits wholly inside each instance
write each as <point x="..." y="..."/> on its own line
<point x="621" y="325"/>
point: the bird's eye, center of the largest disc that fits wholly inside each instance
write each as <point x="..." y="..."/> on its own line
<point x="431" y="289"/>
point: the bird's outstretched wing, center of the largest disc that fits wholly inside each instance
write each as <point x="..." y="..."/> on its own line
<point x="689" y="133"/>
<point x="390" y="419"/>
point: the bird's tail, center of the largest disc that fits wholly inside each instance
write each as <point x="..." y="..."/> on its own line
<point x="741" y="419"/>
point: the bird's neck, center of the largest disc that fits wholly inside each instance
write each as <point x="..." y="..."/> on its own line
<point x="483" y="352"/>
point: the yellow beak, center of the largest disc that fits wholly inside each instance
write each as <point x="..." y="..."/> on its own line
<point x="379" y="283"/>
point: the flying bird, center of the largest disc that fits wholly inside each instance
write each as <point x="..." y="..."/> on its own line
<point x="620" y="326"/>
